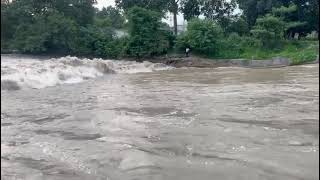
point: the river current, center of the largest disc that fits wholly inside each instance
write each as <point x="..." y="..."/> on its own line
<point x="81" y="119"/>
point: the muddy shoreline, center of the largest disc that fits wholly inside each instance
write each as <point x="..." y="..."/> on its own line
<point x="198" y="62"/>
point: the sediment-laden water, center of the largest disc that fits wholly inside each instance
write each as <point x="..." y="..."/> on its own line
<point x="71" y="118"/>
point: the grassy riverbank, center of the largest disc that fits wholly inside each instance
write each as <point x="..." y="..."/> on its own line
<point x="299" y="52"/>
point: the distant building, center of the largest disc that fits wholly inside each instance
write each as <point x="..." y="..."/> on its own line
<point x="5" y="1"/>
<point x="181" y="28"/>
<point x="182" y="24"/>
<point x="121" y="33"/>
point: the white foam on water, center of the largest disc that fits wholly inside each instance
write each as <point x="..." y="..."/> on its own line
<point x="22" y="72"/>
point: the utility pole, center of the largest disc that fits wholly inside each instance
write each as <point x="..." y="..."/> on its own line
<point x="174" y="9"/>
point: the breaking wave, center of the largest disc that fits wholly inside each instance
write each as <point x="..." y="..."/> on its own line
<point x="22" y="72"/>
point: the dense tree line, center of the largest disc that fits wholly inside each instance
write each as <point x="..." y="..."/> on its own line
<point x="76" y="27"/>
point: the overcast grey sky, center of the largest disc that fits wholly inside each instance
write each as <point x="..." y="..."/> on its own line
<point x="104" y="3"/>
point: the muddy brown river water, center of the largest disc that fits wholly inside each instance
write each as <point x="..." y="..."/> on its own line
<point x="74" y="121"/>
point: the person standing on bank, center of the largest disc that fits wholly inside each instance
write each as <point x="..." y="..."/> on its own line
<point x="187" y="52"/>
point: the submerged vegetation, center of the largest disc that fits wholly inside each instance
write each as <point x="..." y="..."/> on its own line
<point x="264" y="29"/>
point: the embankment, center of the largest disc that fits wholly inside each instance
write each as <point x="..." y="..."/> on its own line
<point x="198" y="62"/>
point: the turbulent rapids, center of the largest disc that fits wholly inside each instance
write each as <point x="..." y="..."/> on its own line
<point x="17" y="73"/>
<point x="117" y="120"/>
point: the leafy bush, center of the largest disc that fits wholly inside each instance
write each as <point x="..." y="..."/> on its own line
<point x="270" y="30"/>
<point x="146" y="36"/>
<point x="301" y="52"/>
<point x="181" y="42"/>
<point x="202" y="36"/>
<point x="239" y="26"/>
<point x="100" y="42"/>
<point x="298" y="51"/>
<point x="54" y="32"/>
<point x="234" y="45"/>
<point x="111" y="17"/>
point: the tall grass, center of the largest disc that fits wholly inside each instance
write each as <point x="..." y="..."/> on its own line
<point x="298" y="51"/>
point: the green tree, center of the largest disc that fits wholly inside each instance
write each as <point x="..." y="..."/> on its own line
<point x="100" y="41"/>
<point x="7" y="27"/>
<point x="307" y="11"/>
<point x="39" y="26"/>
<point x="158" y="5"/>
<point x="110" y="16"/>
<point x="80" y="11"/>
<point x="202" y="36"/>
<point x="286" y="13"/>
<point x="190" y="9"/>
<point x="146" y="36"/>
<point x="271" y="28"/>
<point x="239" y="26"/>
<point x="220" y="11"/>
<point x="252" y="9"/>
<point x="53" y="32"/>
<point x="13" y="15"/>
<point x="161" y="6"/>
